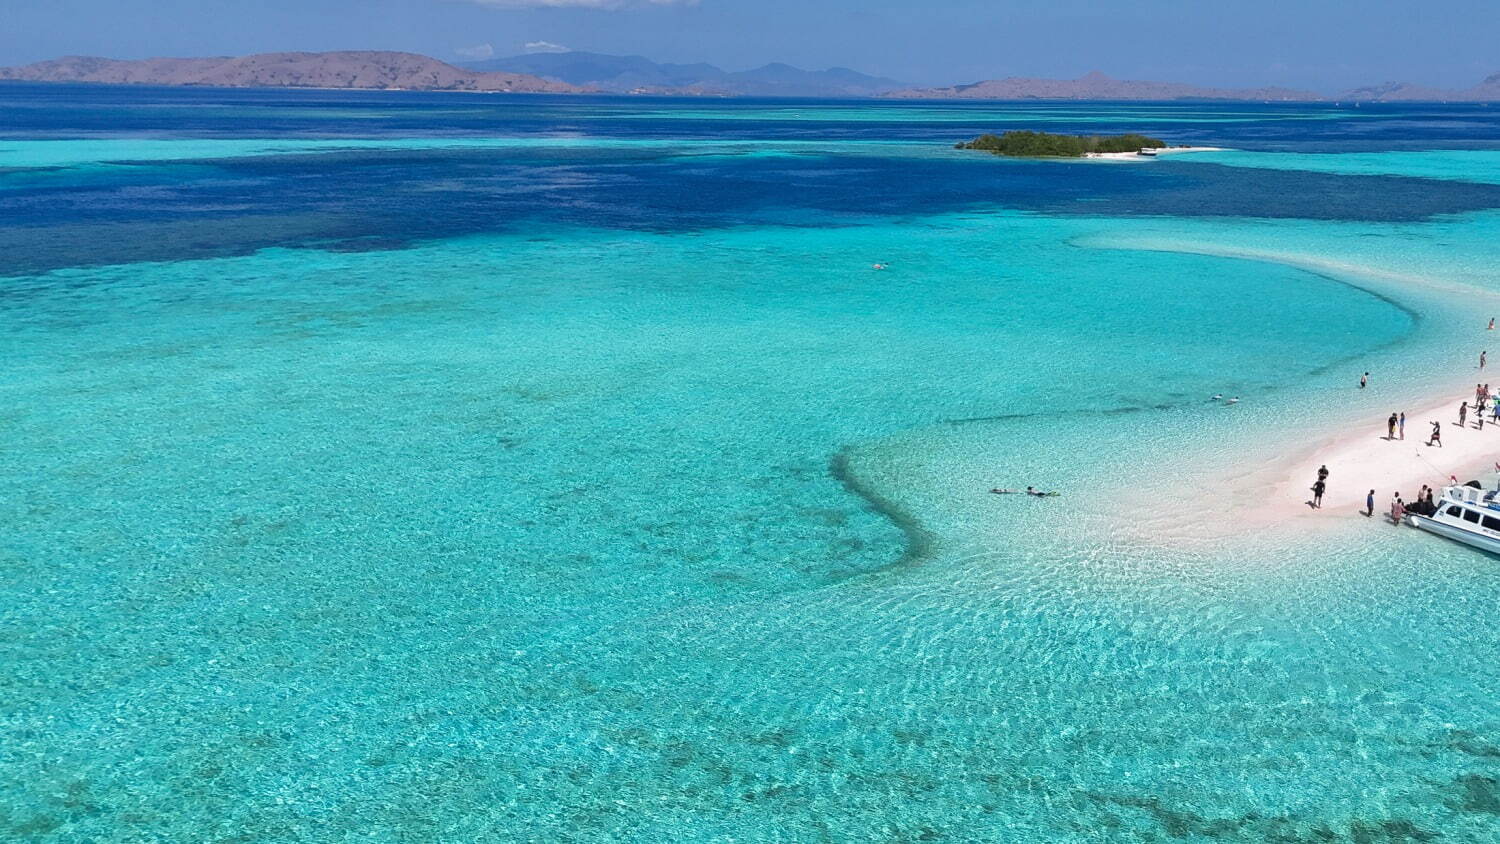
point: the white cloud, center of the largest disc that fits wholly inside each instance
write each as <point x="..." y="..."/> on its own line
<point x="478" y="51"/>
<point x="546" y="47"/>
<point x="579" y="4"/>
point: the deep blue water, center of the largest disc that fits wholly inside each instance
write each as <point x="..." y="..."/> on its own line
<point x="379" y="198"/>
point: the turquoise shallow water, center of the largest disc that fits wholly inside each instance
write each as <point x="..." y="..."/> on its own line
<point x="598" y="533"/>
<point x="1474" y="165"/>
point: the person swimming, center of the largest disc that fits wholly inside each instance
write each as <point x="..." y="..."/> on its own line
<point x="1216" y="397"/>
<point x="1235" y="400"/>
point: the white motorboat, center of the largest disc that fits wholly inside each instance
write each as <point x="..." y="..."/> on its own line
<point x="1464" y="514"/>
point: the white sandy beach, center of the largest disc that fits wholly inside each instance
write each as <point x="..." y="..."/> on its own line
<point x="1131" y="156"/>
<point x="1363" y="459"/>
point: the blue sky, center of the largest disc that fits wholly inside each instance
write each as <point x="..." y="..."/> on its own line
<point x="1317" y="44"/>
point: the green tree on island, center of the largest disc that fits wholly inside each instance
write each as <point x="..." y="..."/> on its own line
<point x="1044" y="144"/>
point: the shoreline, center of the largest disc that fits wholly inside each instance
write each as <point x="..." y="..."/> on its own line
<point x="1272" y="501"/>
<point x="1266" y="490"/>
<point x="1135" y="156"/>
<point x="1361" y="459"/>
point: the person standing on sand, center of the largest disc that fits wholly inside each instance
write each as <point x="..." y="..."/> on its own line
<point x="1363" y="380"/>
<point x="1390" y="427"/>
<point x="1398" y="508"/>
<point x="1370" y="504"/>
<point x="1401" y="425"/>
<point x="1463" y="413"/>
<point x="1437" y="435"/>
<point x="1317" y="491"/>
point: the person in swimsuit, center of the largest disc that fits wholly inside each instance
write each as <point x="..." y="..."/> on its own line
<point x="1370" y="504"/>
<point x="1363" y="380"/>
<point x="1317" y="491"/>
<point x="1390" y="427"/>
<point x="1437" y="435"/>
<point x="1401" y="425"/>
<point x="1463" y="413"/>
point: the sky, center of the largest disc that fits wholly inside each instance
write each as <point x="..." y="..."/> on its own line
<point x="1321" y="45"/>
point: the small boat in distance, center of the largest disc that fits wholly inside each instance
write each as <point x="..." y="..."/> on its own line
<point x="1148" y="152"/>
<point x="1464" y="514"/>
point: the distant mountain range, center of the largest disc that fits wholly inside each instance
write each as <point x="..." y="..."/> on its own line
<point x="1487" y="91"/>
<point x="639" y="75"/>
<point x="348" y="69"/>
<point x="570" y="73"/>
<point x="1097" y="86"/>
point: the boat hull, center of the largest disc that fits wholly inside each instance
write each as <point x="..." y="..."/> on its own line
<point x="1469" y="538"/>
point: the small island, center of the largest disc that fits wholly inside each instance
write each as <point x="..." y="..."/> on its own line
<point x="1046" y="145"/>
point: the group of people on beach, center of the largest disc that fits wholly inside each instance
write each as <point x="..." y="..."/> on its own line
<point x="1482" y="401"/>
<point x="1395" y="429"/>
<point x="1320" y="486"/>
<point x="1423" y="505"/>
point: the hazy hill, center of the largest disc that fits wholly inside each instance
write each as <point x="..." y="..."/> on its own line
<point x="605" y="72"/>
<point x="346" y="69"/>
<point x="623" y="74"/>
<point x="1487" y="91"/>
<point x="1096" y="86"/>
<point x="577" y="72"/>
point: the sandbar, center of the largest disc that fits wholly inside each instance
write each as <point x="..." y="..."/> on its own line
<point x="1362" y="458"/>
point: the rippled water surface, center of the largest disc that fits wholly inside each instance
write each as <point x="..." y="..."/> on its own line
<point x="409" y="467"/>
